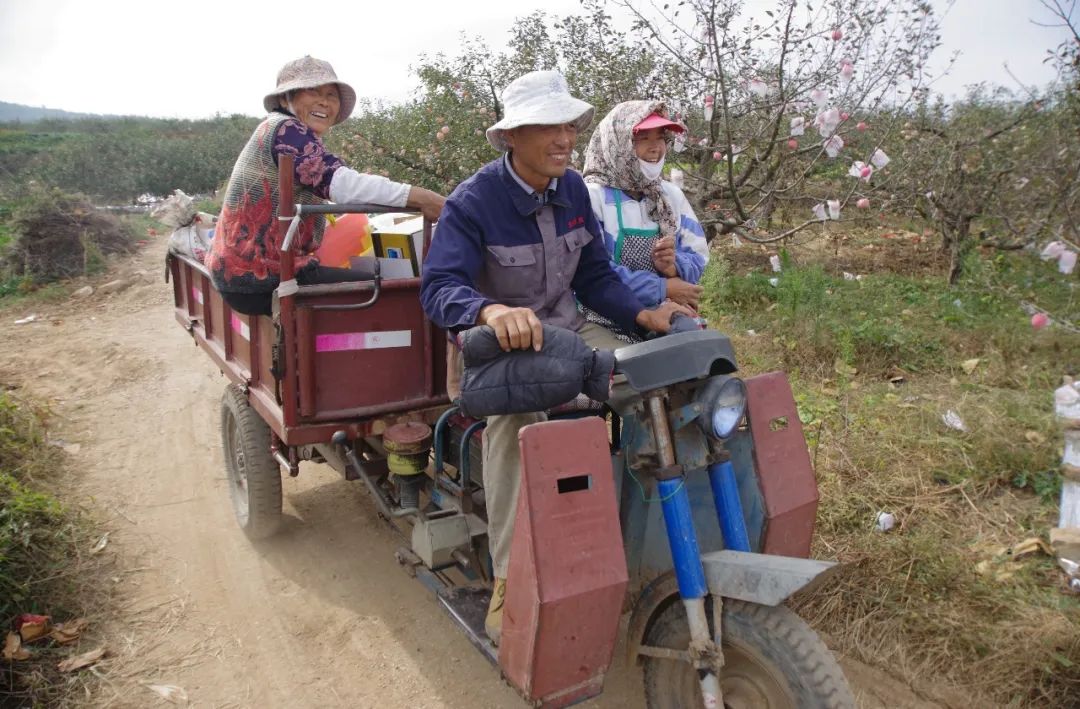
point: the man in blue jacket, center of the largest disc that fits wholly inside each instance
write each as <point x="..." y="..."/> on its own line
<point x="517" y="242"/>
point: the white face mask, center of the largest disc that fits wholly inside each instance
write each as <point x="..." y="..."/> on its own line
<point x="652" y="170"/>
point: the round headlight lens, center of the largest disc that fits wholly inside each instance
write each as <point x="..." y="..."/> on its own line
<point x="723" y="402"/>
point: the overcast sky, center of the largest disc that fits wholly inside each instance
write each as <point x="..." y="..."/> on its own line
<point x="196" y="58"/>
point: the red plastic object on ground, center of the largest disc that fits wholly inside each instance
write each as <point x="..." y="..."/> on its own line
<point x="567" y="575"/>
<point x="783" y="466"/>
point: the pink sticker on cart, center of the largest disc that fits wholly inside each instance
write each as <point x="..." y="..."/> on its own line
<point x="240" y="327"/>
<point x="363" y="340"/>
<point x="197" y="295"/>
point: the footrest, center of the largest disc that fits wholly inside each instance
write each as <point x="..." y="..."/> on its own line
<point x="468" y="606"/>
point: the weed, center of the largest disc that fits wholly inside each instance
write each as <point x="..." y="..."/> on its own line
<point x="41" y="567"/>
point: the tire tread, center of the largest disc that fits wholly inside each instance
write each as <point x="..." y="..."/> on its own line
<point x="263" y="471"/>
<point x="814" y="676"/>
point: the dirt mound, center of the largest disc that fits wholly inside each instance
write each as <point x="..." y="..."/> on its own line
<point x="60" y="235"/>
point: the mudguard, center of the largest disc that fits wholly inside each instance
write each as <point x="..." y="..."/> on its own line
<point x="755" y="578"/>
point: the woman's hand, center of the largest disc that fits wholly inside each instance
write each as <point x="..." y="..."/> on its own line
<point x="663" y="257"/>
<point x="659" y="319"/>
<point x="683" y="293"/>
<point x="429" y="203"/>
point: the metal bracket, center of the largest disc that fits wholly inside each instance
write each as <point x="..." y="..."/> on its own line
<point x="684" y="416"/>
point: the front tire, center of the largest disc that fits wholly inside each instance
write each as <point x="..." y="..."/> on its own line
<point x="254" y="477"/>
<point x="772" y="660"/>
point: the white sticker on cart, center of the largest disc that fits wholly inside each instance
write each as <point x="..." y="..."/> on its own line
<point x="363" y="340"/>
<point x="197" y="295"/>
<point x="240" y="327"/>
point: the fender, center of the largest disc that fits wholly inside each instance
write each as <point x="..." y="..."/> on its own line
<point x="756" y="578"/>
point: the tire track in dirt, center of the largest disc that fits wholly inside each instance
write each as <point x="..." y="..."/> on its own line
<point x="319" y="616"/>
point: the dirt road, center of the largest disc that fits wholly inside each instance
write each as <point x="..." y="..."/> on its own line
<point x="321" y="616"/>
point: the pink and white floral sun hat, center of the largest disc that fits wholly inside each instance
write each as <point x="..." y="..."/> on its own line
<point x="539" y="98"/>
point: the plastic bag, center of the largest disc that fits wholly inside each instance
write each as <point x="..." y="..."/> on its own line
<point x="194" y="239"/>
<point x="176" y="211"/>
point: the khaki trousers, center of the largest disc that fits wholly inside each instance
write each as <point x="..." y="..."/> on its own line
<point x="502" y="456"/>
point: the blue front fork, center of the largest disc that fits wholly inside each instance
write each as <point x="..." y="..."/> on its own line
<point x="682" y="538"/>
<point x="725" y="492"/>
<point x="680" y="525"/>
<point x="685" y="552"/>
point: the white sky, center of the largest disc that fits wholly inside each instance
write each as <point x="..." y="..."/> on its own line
<point x="195" y="58"/>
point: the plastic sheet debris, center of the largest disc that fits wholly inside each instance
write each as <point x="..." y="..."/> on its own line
<point x="1067" y="410"/>
<point x="101" y="543"/>
<point x="27" y="320"/>
<point x="953" y="421"/>
<point x="169" y="692"/>
<point x="1005" y="562"/>
<point x="1067" y="262"/>
<point x="885" y="521"/>
<point x="969" y="365"/>
<point x="80" y="661"/>
<point x="69" y="631"/>
<point x="176" y="211"/>
<point x="13" y="649"/>
<point x="774" y="261"/>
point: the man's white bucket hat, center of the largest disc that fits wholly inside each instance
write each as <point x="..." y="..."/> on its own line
<point x="539" y="98"/>
<point x="307" y="72"/>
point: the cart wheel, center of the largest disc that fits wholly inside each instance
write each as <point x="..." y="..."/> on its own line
<point x="254" y="476"/>
<point x="772" y="659"/>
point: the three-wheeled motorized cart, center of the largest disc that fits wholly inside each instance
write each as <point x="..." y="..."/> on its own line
<point x="694" y="513"/>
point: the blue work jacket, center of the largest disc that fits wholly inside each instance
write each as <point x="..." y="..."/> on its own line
<point x="496" y="243"/>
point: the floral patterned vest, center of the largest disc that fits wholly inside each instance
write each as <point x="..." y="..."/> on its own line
<point x="245" y="254"/>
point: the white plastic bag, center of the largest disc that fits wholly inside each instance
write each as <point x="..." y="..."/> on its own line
<point x="194" y="239"/>
<point x="176" y="211"/>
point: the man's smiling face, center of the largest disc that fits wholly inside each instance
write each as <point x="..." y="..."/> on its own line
<point x="539" y="153"/>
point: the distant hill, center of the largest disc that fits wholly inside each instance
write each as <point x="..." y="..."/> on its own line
<point x="16" y="112"/>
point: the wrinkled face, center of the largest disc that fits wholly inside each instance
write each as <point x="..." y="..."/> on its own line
<point x="317" y="108"/>
<point x="539" y="153"/>
<point x="650" y="145"/>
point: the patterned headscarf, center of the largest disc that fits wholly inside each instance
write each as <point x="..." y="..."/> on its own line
<point x="610" y="160"/>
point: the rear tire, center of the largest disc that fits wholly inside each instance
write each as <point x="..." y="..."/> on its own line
<point x="772" y="660"/>
<point x="254" y="477"/>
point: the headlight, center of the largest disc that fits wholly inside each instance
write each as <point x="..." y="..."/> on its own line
<point x="723" y="404"/>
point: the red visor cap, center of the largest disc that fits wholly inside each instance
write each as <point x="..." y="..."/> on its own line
<point x="655" y="120"/>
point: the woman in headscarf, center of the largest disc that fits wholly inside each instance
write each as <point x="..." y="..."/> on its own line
<point x="655" y="240"/>
<point x="245" y="259"/>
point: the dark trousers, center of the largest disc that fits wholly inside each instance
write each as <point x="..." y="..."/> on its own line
<point x="314" y="274"/>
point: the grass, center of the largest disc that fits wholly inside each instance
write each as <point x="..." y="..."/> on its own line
<point x="43" y="564"/>
<point x="875" y="363"/>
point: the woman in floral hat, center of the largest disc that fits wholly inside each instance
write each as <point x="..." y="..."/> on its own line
<point x="244" y="260"/>
<point x="655" y="240"/>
